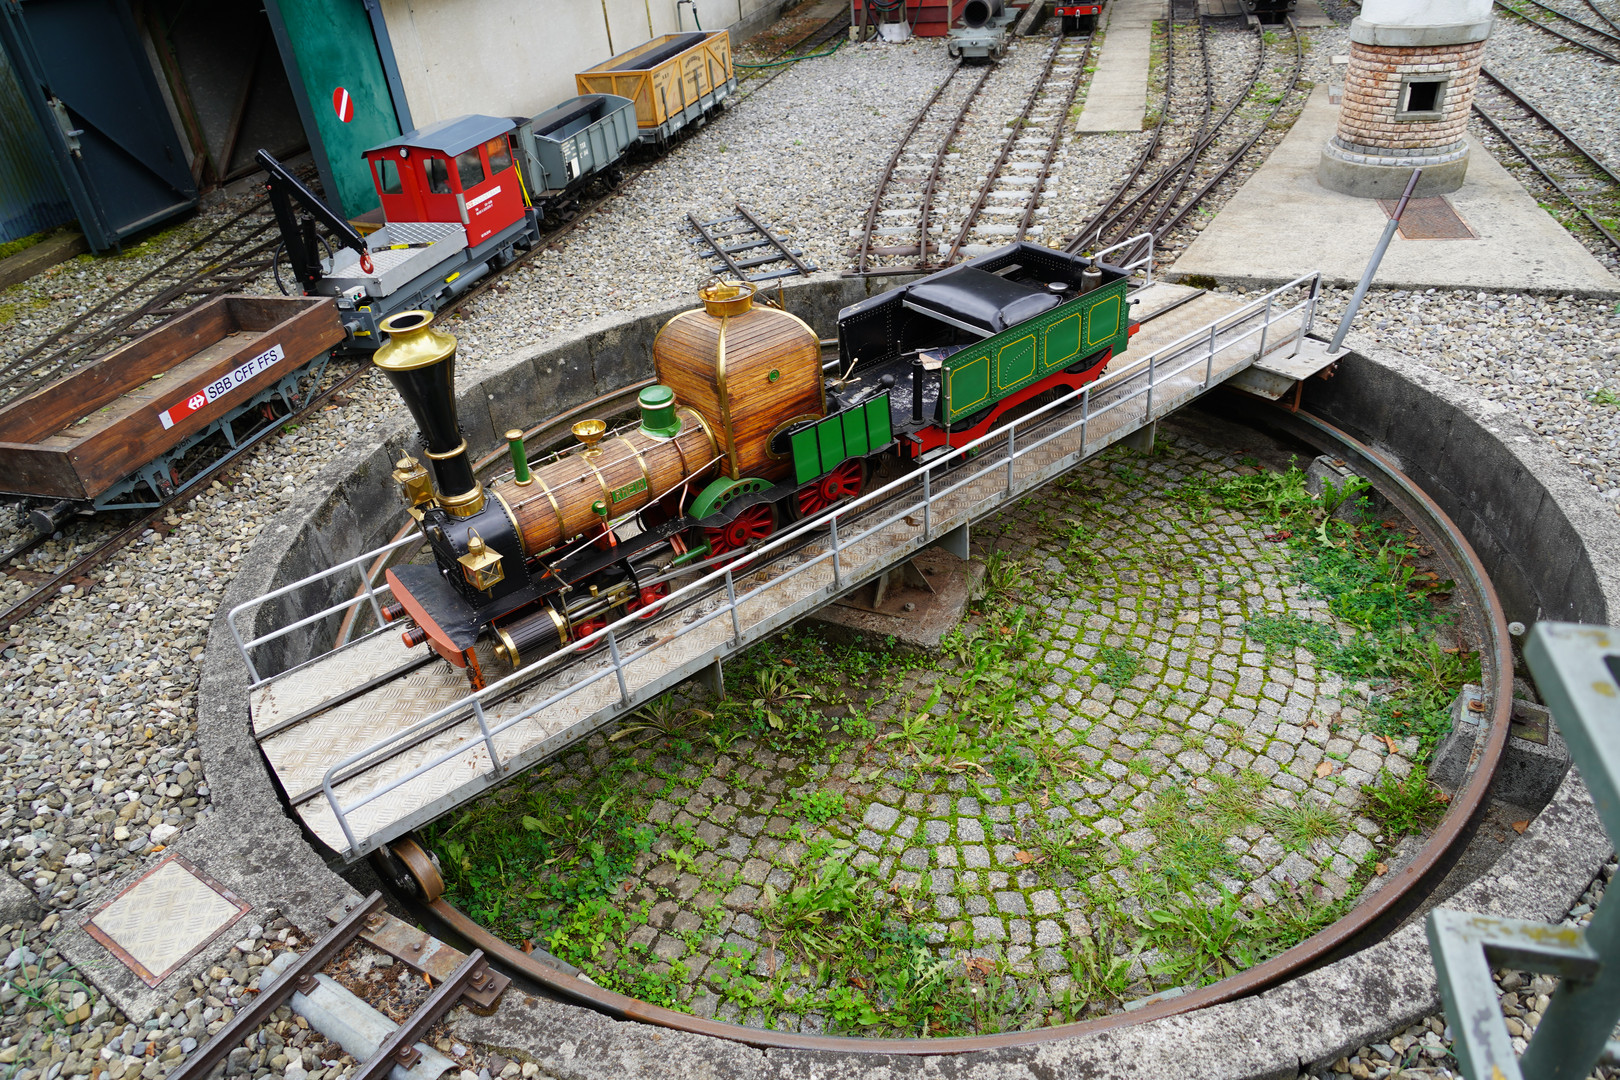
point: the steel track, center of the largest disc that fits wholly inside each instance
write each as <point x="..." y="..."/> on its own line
<point x="1374" y="917"/>
<point x="809" y="43"/>
<point x="216" y="263"/>
<point x="886" y="177"/>
<point x="1594" y="168"/>
<point x="1148" y="211"/>
<point x="1609" y="39"/>
<point x="1036" y="92"/>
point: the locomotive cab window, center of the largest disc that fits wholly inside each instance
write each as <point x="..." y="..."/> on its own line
<point x="500" y="155"/>
<point x="1422" y="98"/>
<point x="470" y="168"/>
<point x="387" y="177"/>
<point x="438" y="175"/>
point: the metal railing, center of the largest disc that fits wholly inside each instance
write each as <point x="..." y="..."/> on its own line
<point x="960" y="468"/>
<point x="1577" y="669"/>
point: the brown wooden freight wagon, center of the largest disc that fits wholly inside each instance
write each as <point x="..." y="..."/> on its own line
<point x="675" y="80"/>
<point x="114" y="434"/>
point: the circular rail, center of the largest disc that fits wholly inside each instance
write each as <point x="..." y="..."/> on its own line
<point x="1375" y="916"/>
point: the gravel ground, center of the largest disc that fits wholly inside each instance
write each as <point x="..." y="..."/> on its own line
<point x="94" y="781"/>
<point x="1426" y="1049"/>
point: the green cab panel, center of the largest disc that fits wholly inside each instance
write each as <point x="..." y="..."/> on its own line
<point x="806" y="455"/>
<point x="989" y="370"/>
<point x="822" y="447"/>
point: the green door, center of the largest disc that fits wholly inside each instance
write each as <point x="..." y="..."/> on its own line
<point x="329" y="46"/>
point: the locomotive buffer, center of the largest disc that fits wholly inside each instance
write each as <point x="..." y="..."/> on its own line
<point x="364" y="758"/>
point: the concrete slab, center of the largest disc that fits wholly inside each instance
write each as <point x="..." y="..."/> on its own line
<point x="1282" y="224"/>
<point x="1309" y="13"/>
<point x="908" y="615"/>
<point x="1117" y="99"/>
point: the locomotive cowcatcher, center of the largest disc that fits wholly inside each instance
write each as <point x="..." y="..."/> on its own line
<point x="742" y="434"/>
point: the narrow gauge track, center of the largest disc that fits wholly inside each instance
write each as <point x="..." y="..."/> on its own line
<point x="912" y="173"/>
<point x="226" y="258"/>
<point x="1580" y="177"/>
<point x="1017" y="186"/>
<point x="1595" y="41"/>
<point x="1600" y="14"/>
<point x="1373" y="918"/>
<point x="1158" y="204"/>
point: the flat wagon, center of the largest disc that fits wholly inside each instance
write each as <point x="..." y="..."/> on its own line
<point x="675" y="80"/>
<point x="115" y="434"/>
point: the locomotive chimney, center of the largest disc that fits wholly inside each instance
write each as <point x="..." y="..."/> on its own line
<point x="979" y="12"/>
<point x="421" y="363"/>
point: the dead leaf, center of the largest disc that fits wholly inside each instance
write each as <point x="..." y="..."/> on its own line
<point x="1520" y="826"/>
<point x="528" y="946"/>
<point x="1324" y="769"/>
<point x="1381" y="869"/>
<point x="1024" y="857"/>
<point x="978" y="968"/>
<point x="857" y="982"/>
<point x="1394" y="747"/>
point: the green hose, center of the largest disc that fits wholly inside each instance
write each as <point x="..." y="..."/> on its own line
<point x="793" y="59"/>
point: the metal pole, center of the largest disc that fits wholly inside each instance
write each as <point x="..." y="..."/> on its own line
<point x="1209" y="365"/>
<point x="838" y="575"/>
<point x="618" y="666"/>
<point x="731" y="597"/>
<point x="489" y="741"/>
<point x="928" y="501"/>
<point x="1010" y="454"/>
<point x="1372" y="264"/>
<point x="1085" y="418"/>
<point x="1265" y="324"/>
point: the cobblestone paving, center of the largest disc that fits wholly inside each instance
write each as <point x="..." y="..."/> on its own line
<point x="1145" y="750"/>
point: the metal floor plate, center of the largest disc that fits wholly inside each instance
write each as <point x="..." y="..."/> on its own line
<point x="163" y="919"/>
<point x="1429" y="219"/>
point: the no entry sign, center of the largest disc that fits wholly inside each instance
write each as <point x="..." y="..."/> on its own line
<point x="343" y="104"/>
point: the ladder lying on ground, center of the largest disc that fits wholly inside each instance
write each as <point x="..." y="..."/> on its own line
<point x="731" y="236"/>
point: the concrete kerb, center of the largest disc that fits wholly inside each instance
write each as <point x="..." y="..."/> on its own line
<point x="249" y="843"/>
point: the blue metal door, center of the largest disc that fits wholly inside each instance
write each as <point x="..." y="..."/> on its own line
<point x="87" y="81"/>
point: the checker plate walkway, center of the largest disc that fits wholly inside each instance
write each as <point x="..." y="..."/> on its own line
<point x="391" y="757"/>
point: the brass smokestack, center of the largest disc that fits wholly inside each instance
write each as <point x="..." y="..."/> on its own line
<point x="421" y="363"/>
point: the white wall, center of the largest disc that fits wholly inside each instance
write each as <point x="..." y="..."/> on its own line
<point x="1425" y="12"/>
<point x="517" y="57"/>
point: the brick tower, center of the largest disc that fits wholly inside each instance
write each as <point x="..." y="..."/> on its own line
<point x="1407" y="95"/>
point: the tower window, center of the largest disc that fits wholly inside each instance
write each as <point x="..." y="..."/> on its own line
<point x="1421" y="98"/>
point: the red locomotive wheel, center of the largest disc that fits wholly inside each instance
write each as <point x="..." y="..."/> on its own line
<point x="844" y="482"/>
<point x="754" y="523"/>
<point x="648" y="597"/>
<point x="586" y="629"/>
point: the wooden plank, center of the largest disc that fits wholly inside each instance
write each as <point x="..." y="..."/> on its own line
<point x="40" y="470"/>
<point x="54" y="407"/>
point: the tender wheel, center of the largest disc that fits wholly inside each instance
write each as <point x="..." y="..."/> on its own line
<point x="755" y="523"/>
<point x="844" y="482"/>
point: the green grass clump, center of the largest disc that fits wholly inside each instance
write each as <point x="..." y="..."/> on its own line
<point x="1116" y="666"/>
<point x="1404" y="804"/>
<point x="1299" y="826"/>
<point x="1371" y="577"/>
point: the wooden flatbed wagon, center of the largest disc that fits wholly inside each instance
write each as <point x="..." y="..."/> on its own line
<point x="115" y="434"/>
<point x="675" y="80"/>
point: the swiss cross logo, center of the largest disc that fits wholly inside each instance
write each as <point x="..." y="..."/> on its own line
<point x="197" y="401"/>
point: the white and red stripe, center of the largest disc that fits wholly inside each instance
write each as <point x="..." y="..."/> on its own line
<point x="343" y="104"/>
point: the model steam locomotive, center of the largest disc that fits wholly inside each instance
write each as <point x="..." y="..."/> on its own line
<point x="742" y="433"/>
